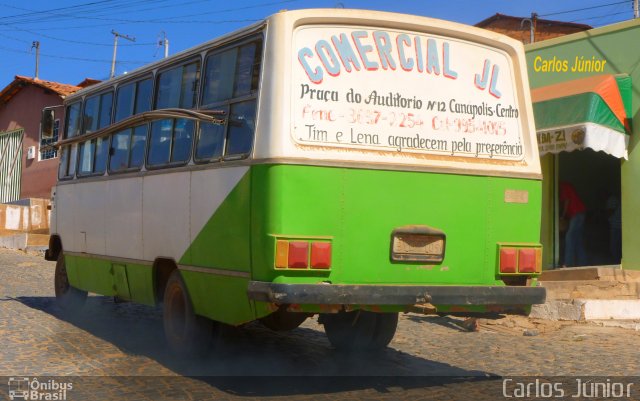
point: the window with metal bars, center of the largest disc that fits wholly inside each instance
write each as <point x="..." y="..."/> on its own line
<point x="47" y="150"/>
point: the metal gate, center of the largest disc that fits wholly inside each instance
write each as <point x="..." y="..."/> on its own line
<point x="10" y="165"/>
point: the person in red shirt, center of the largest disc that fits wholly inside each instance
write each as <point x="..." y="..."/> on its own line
<point x="572" y="209"/>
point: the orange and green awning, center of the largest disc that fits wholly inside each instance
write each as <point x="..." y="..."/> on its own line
<point x="591" y="112"/>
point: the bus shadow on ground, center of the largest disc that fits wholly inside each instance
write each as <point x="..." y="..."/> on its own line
<point x="302" y="357"/>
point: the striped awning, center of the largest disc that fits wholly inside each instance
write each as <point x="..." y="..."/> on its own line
<point x="592" y="112"/>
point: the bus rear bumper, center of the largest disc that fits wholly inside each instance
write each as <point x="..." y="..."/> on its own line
<point x="340" y="294"/>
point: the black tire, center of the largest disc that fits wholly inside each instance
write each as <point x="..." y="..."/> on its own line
<point x="360" y="330"/>
<point x="281" y="320"/>
<point x="350" y="331"/>
<point x="187" y="334"/>
<point x="386" y="325"/>
<point x="69" y="298"/>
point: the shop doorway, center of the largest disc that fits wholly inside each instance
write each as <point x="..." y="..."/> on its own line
<point x="596" y="179"/>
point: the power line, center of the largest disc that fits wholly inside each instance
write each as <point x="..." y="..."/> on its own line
<point x="74" y="58"/>
<point x="33" y="12"/>
<point x="582" y="9"/>
<point x="600" y="16"/>
<point x="78" y="41"/>
<point x="166" y="20"/>
<point x="120" y="5"/>
<point x="4" y="35"/>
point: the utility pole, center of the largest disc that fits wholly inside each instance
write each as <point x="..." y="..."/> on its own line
<point x="36" y="44"/>
<point x="117" y="35"/>
<point x="636" y="13"/>
<point x="532" y="26"/>
<point x="164" y="42"/>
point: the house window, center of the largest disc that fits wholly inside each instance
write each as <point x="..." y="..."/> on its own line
<point x="47" y="150"/>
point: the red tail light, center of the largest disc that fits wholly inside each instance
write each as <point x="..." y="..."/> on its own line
<point x="508" y="260"/>
<point x="298" y="255"/>
<point x="527" y="260"/>
<point x="320" y="255"/>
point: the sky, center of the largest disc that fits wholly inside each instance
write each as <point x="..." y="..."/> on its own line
<point x="76" y="40"/>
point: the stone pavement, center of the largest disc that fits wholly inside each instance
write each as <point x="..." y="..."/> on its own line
<point x="103" y="346"/>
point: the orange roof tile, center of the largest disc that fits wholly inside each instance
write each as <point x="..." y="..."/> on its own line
<point x="60" y="89"/>
<point x="20" y="81"/>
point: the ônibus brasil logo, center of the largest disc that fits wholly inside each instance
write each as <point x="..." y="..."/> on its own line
<point x="25" y="388"/>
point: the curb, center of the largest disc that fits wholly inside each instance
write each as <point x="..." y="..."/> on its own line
<point x="587" y="310"/>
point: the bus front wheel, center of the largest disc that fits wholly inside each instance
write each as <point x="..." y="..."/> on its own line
<point x="69" y="298"/>
<point x="187" y="334"/>
<point x="360" y="330"/>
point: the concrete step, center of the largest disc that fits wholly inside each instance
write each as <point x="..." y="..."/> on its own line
<point x="592" y="289"/>
<point x="588" y="310"/>
<point x="607" y="273"/>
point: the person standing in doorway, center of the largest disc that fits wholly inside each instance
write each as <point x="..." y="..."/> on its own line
<point x="572" y="210"/>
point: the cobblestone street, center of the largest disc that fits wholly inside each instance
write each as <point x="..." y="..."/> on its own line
<point x="123" y="339"/>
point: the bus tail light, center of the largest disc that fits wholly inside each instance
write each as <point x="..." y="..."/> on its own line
<point x="508" y="260"/>
<point x="282" y="254"/>
<point x="298" y="255"/>
<point x="320" y="255"/>
<point x="529" y="260"/>
<point x="303" y="254"/>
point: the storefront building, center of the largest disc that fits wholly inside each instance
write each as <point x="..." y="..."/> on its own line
<point x="586" y="93"/>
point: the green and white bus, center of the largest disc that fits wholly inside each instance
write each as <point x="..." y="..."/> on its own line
<point x="348" y="164"/>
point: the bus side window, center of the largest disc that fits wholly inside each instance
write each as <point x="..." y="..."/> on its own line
<point x="241" y="128"/>
<point x="93" y="156"/>
<point x="97" y="112"/>
<point x="231" y="77"/>
<point x="218" y="84"/>
<point x="64" y="162"/>
<point x="125" y="101"/>
<point x="138" y="144"/>
<point x="86" y="151"/>
<point x="66" y="168"/>
<point x="182" y="135"/>
<point x="102" y="153"/>
<point x="160" y="145"/>
<point x="246" y="77"/>
<point x="72" y="123"/>
<point x="171" y="139"/>
<point x="128" y="146"/>
<point x="210" y="141"/>
<point x="120" y="151"/>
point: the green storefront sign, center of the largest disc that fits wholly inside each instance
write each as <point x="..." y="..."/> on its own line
<point x="585" y="99"/>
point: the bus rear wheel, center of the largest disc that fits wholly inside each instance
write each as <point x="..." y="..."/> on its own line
<point x="69" y="298"/>
<point x="187" y="334"/>
<point x="360" y="330"/>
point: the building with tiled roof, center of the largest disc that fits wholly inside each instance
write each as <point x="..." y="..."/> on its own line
<point x="519" y="28"/>
<point x="28" y="164"/>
